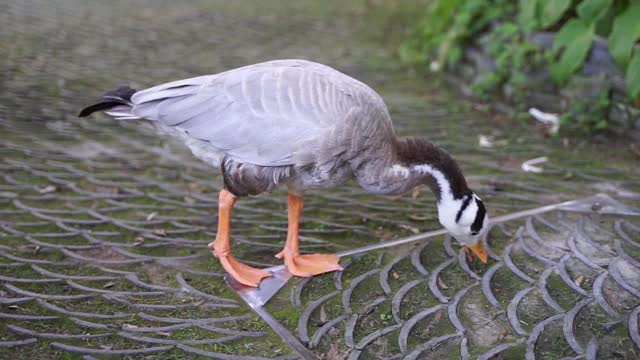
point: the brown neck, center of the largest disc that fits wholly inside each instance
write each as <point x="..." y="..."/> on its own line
<point x="417" y="151"/>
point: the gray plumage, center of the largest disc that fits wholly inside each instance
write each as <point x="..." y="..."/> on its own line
<point x="303" y="125"/>
<point x="280" y="121"/>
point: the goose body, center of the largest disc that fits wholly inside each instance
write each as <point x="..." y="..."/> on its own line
<point x="302" y="125"/>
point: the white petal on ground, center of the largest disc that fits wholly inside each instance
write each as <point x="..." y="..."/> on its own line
<point x="528" y="166"/>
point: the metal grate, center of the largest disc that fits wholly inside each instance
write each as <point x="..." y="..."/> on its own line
<point x="561" y="268"/>
<point x="104" y="225"/>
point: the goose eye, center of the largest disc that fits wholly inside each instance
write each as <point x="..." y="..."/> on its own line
<point x="474" y="233"/>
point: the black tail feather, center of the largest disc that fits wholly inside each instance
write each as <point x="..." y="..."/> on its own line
<point x="98" y="107"/>
<point x="112" y="98"/>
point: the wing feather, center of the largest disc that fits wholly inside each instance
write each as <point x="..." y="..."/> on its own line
<point x="260" y="114"/>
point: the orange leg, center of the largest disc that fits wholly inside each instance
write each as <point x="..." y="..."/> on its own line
<point x="303" y="265"/>
<point x="244" y="274"/>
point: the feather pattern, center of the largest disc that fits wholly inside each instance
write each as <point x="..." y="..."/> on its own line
<point x="285" y="121"/>
<point x="266" y="114"/>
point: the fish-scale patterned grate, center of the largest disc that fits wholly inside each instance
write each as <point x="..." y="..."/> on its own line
<point x="559" y="284"/>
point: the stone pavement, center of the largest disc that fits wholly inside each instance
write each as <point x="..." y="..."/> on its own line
<point x="104" y="225"/>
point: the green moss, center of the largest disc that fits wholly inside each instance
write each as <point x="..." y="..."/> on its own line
<point x="560" y="292"/>
<point x="505" y="285"/>
<point x="455" y="279"/>
<point x="416" y="300"/>
<point x="287" y="316"/>
<point x="551" y="343"/>
<point x="533" y="310"/>
<point x="433" y="255"/>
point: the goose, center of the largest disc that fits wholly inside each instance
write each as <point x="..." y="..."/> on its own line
<point x="300" y="125"/>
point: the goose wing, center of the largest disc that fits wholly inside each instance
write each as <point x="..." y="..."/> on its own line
<point x="259" y="114"/>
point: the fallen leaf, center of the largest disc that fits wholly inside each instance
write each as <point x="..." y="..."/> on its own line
<point x="151" y="216"/>
<point x="546" y="118"/>
<point x="412" y="229"/>
<point x="107" y="190"/>
<point x="441" y="284"/>
<point x="335" y="352"/>
<point x="47" y="189"/>
<point x="160" y="232"/>
<point x="323" y="314"/>
<point x="162" y="333"/>
<point x="579" y="280"/>
<point x="395" y="275"/>
<point x="129" y="326"/>
<point x="138" y="240"/>
<point x="108" y="285"/>
<point x="528" y="166"/>
<point x="416" y="192"/>
<point x="485" y="141"/>
<point x="437" y="317"/>
<point x="195" y="187"/>
<point x="417" y="217"/>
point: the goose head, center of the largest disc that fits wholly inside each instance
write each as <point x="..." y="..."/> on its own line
<point x="466" y="220"/>
<point x="460" y="210"/>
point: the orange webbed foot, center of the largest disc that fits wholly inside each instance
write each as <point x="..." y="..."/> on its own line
<point x="244" y="274"/>
<point x="309" y="265"/>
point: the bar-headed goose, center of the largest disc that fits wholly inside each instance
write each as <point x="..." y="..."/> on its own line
<point x="302" y="125"/>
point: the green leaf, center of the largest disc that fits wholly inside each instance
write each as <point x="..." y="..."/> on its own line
<point x="527" y="14"/>
<point x="591" y="10"/>
<point x="572" y="45"/>
<point x="567" y="34"/>
<point x="632" y="77"/>
<point x="626" y="30"/>
<point x="552" y="11"/>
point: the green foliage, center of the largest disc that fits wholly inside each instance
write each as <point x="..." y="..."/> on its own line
<point x="587" y="117"/>
<point x="592" y="10"/>
<point x="431" y="33"/>
<point x="527" y="14"/>
<point x="625" y="33"/>
<point x="632" y="78"/>
<point x="447" y="24"/>
<point x="552" y="11"/>
<point x="570" y="49"/>
<point x="574" y="39"/>
<point x="514" y="57"/>
<point x="617" y="19"/>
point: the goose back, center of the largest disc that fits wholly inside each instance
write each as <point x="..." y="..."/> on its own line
<point x="272" y="114"/>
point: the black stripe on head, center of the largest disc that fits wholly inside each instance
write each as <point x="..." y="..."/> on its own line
<point x="479" y="220"/>
<point x="465" y="204"/>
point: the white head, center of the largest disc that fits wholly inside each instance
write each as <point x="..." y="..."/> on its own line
<point x="463" y="214"/>
<point x="466" y="219"/>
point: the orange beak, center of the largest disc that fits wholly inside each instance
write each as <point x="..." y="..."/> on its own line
<point x="479" y="250"/>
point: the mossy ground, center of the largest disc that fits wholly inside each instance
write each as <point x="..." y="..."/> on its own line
<point x="57" y="173"/>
